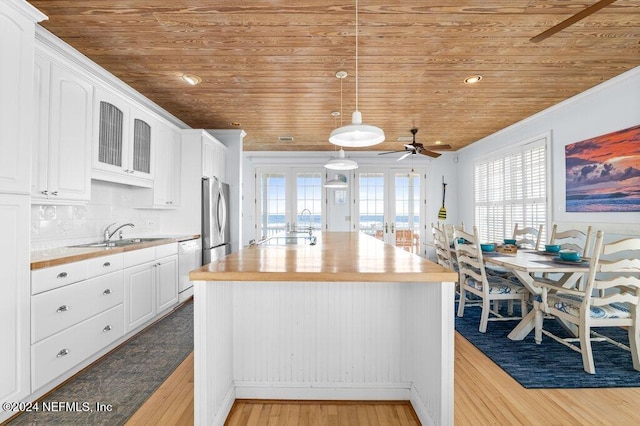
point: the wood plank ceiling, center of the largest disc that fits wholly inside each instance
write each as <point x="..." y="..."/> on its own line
<point x="270" y="65"/>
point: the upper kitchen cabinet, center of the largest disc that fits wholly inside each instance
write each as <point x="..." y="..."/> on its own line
<point x="17" y="32"/>
<point x="61" y="170"/>
<point x="200" y="146"/>
<point x="124" y="141"/>
<point x="166" y="183"/>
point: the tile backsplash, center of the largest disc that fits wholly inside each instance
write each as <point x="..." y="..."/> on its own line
<point x="62" y="225"/>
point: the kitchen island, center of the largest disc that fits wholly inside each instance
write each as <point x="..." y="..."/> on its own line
<point x="349" y="318"/>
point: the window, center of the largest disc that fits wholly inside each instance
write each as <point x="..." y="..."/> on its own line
<point x="511" y="188"/>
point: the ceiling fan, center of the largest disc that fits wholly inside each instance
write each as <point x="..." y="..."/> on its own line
<point x="571" y="20"/>
<point x="418" y="148"/>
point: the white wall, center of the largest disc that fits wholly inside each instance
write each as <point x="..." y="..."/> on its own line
<point x="610" y="106"/>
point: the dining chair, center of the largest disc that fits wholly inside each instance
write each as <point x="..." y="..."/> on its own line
<point x="572" y="239"/>
<point x="614" y="268"/>
<point x="475" y="280"/>
<point x="443" y="248"/>
<point x="528" y="237"/>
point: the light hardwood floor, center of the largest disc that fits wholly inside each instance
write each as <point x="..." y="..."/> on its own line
<point x="484" y="395"/>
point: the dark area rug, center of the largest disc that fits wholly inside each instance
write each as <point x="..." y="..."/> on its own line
<point x="125" y="377"/>
<point x="550" y="364"/>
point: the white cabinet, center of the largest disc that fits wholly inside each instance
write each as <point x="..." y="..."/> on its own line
<point x="16" y="94"/>
<point x="139" y="284"/>
<point x="151" y="286"/>
<point x="17" y="31"/>
<point x="166" y="185"/>
<point x="124" y="141"/>
<point x="14" y="294"/>
<point x="213" y="157"/>
<point x="61" y="170"/>
<point x="167" y="285"/>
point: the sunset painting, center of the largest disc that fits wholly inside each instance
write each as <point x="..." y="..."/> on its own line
<point x="603" y="173"/>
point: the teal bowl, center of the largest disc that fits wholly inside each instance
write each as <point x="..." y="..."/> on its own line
<point x="552" y="248"/>
<point x="487" y="247"/>
<point x="570" y="255"/>
<point x="510" y="241"/>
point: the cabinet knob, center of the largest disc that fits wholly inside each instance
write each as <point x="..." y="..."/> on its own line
<point x="63" y="308"/>
<point x="106" y="264"/>
<point x="62" y="353"/>
<point x="45" y="192"/>
<point x="107" y="292"/>
<point x="55" y="193"/>
<point x="107" y="328"/>
<point x="62" y="275"/>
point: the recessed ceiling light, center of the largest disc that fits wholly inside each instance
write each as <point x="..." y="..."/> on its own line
<point x="335" y="113"/>
<point x="192" y="79"/>
<point x="285" y="138"/>
<point x="473" y="79"/>
<point x="438" y="142"/>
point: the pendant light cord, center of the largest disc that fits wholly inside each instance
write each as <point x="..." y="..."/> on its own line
<point x="357" y="56"/>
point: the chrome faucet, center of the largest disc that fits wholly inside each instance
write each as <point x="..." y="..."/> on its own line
<point x="310" y="218"/>
<point x="108" y="235"/>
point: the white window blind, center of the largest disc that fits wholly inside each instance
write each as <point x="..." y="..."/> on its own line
<point x="511" y="188"/>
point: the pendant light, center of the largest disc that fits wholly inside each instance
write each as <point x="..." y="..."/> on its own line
<point x="357" y="134"/>
<point x="340" y="163"/>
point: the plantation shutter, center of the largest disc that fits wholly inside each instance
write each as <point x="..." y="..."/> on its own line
<point x="510" y="189"/>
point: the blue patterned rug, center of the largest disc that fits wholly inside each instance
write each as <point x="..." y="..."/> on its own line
<point x="550" y="364"/>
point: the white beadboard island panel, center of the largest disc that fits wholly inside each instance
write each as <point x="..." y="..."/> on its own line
<point x="324" y="341"/>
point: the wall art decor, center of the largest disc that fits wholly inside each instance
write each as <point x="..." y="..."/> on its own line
<point x="603" y="173"/>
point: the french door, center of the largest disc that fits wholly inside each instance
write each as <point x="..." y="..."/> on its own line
<point x="391" y="206"/>
<point x="289" y="198"/>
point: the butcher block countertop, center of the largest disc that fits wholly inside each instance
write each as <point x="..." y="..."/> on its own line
<point x="62" y="255"/>
<point x="336" y="257"/>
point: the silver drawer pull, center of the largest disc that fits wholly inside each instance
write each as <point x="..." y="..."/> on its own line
<point x="63" y="308"/>
<point x="106" y="264"/>
<point x="62" y="353"/>
<point x="107" y="328"/>
<point x="63" y="275"/>
<point x="107" y="291"/>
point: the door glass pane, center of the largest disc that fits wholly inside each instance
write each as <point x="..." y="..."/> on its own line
<point x="309" y="200"/>
<point x="371" y="216"/>
<point x="273" y="203"/>
<point x="407" y="211"/>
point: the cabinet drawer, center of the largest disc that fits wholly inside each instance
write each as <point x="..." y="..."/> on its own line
<point x="63" y="351"/>
<point x="57" y="276"/>
<point x="61" y="308"/>
<point x="104" y="265"/>
<point x="138" y="257"/>
<point x="166" y="250"/>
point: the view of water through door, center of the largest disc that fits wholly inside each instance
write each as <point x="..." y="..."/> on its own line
<point x="390" y="207"/>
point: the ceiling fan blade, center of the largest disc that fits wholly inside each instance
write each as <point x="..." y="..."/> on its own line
<point x="405" y="155"/>
<point x="391" y="152"/>
<point x="571" y="20"/>
<point x="410" y="146"/>
<point x="441" y="147"/>
<point x="430" y="153"/>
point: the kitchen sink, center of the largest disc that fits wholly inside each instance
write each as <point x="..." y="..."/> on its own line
<point x="119" y="243"/>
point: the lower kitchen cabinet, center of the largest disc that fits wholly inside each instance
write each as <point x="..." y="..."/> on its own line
<point x="150" y="287"/>
<point x="167" y="283"/>
<point x="63" y="351"/>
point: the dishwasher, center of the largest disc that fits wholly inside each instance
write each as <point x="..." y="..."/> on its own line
<point x="189" y="258"/>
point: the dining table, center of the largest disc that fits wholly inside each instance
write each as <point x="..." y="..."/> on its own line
<point x="525" y="265"/>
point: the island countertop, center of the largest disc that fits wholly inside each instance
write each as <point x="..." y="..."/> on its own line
<point x="336" y="257"/>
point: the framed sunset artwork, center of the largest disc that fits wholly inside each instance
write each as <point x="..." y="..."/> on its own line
<point x="603" y="173"/>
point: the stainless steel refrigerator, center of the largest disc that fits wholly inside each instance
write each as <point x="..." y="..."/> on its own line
<point x="215" y="220"/>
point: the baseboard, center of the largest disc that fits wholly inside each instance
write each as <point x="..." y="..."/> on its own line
<point x="324" y="391"/>
<point x="225" y="407"/>
<point x="420" y="408"/>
